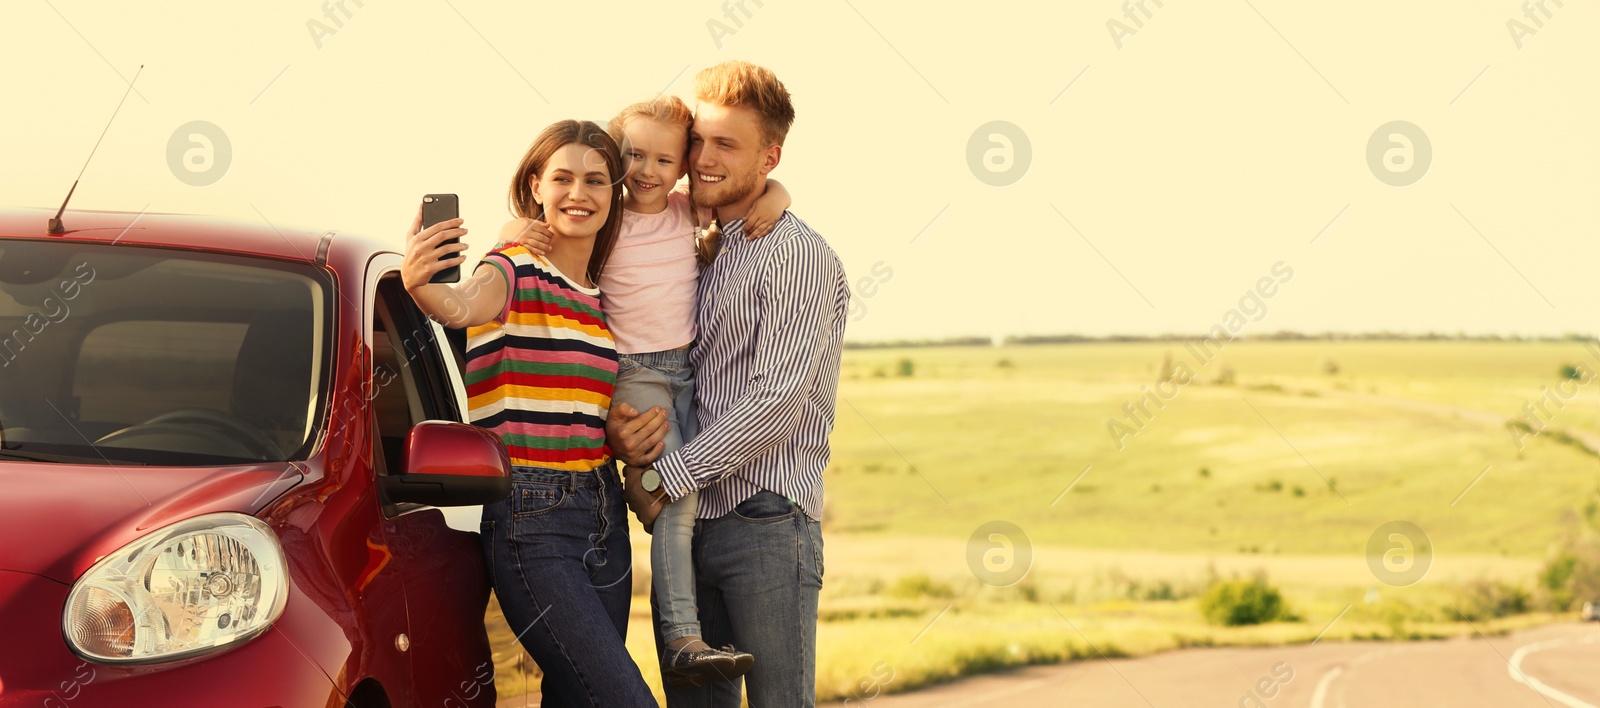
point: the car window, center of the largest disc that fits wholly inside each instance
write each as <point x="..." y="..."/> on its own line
<point x="118" y="364"/>
<point x="410" y="383"/>
<point x="117" y="354"/>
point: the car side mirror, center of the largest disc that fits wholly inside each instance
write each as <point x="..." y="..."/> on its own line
<point x="450" y="464"/>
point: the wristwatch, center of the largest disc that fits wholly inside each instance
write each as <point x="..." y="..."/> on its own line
<point x="650" y="480"/>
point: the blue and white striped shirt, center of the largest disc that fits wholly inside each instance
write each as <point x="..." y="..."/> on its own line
<point x="771" y="315"/>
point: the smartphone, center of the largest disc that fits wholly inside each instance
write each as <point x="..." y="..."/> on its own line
<point x="437" y="208"/>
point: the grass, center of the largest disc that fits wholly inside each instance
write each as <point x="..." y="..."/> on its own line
<point x="1285" y="472"/>
<point x="966" y="441"/>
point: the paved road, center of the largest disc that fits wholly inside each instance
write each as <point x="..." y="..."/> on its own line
<point x="1552" y="666"/>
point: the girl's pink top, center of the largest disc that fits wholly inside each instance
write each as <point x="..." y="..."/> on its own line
<point x="648" y="286"/>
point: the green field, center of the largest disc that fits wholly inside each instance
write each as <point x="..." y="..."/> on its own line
<point x="1230" y="477"/>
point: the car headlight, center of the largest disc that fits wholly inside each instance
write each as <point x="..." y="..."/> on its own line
<point x="192" y="587"/>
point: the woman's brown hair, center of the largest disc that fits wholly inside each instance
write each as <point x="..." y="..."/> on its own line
<point x="553" y="138"/>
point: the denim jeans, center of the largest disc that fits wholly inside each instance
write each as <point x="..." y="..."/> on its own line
<point x="559" y="559"/>
<point x="760" y="570"/>
<point x="666" y="379"/>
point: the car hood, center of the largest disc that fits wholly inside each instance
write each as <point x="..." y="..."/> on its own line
<point x="56" y="520"/>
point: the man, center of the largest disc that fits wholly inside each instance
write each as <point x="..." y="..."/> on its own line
<point x="771" y="318"/>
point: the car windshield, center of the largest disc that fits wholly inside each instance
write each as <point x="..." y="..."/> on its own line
<point x="147" y="356"/>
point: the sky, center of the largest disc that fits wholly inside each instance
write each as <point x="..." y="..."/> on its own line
<point x="981" y="169"/>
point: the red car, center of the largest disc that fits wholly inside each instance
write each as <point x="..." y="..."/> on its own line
<point x="221" y="449"/>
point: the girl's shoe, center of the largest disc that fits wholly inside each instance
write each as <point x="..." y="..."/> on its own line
<point x="742" y="661"/>
<point x="682" y="667"/>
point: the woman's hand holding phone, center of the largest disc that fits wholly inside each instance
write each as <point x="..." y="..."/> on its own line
<point x="427" y="253"/>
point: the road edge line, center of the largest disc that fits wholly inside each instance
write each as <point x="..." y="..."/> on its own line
<point x="1321" y="693"/>
<point x="1514" y="669"/>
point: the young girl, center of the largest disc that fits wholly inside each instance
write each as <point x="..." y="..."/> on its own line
<point x="648" y="293"/>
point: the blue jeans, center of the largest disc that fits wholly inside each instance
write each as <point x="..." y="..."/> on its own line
<point x="559" y="559"/>
<point x="760" y="570"/>
<point x="666" y="379"/>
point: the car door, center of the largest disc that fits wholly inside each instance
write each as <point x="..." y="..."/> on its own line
<point x="442" y="569"/>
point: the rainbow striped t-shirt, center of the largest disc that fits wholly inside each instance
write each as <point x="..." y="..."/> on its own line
<point x="541" y="374"/>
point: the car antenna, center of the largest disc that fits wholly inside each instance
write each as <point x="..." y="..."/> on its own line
<point x="55" y="227"/>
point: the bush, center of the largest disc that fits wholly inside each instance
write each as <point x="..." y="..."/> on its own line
<point x="1114" y="584"/>
<point x="1556" y="581"/>
<point x="1161" y="590"/>
<point x="1572" y="577"/>
<point x="1029" y="589"/>
<point x="1234" y="603"/>
<point x="920" y="585"/>
<point x="906" y="368"/>
<point x="1488" y="599"/>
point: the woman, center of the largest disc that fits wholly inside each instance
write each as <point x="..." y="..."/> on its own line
<point x="541" y="366"/>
